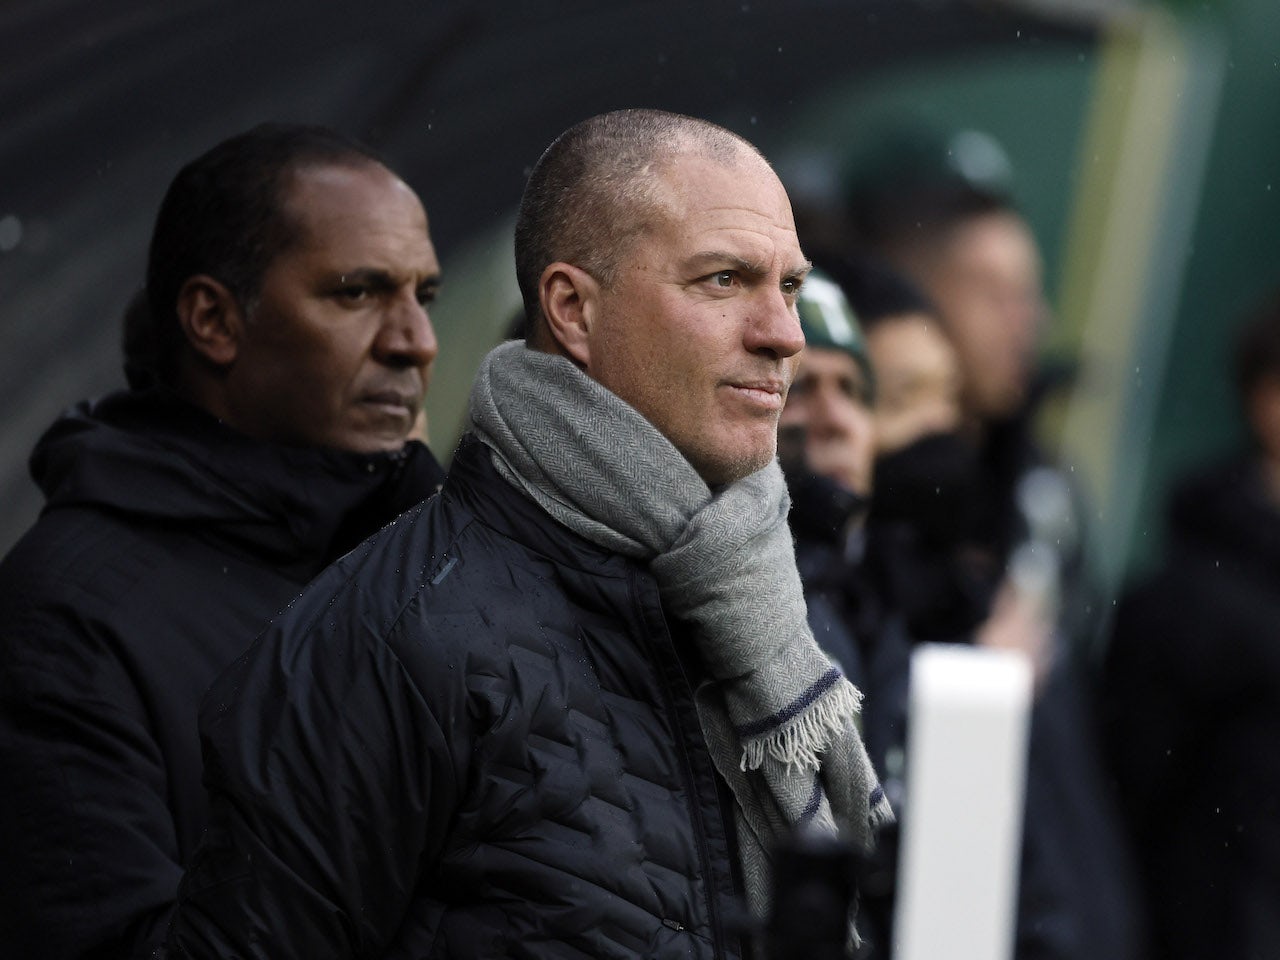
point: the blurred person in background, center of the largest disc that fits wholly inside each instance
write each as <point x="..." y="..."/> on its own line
<point x="973" y="256"/>
<point x="925" y="515"/>
<point x="1015" y="568"/>
<point x="276" y="364"/>
<point x="826" y="445"/>
<point x="879" y="388"/>
<point x="1192" y="691"/>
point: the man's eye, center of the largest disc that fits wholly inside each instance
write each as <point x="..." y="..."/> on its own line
<point x="790" y="286"/>
<point x="353" y="293"/>
<point x="426" y="296"/>
<point x="723" y="279"/>
<point x="856" y="391"/>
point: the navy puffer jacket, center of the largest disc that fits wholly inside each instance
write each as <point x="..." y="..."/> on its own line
<point x="473" y="737"/>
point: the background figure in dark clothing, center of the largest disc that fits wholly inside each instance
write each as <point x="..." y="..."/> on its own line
<point x="278" y="362"/>
<point x="826" y="444"/>
<point x="923" y="521"/>
<point x="1192" y="693"/>
<point x="973" y="256"/>
<point x="1020" y="551"/>
<point x="902" y="568"/>
<point x="976" y="534"/>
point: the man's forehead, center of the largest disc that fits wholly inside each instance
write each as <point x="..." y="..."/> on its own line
<point x="316" y="193"/>
<point x="691" y="171"/>
<point x="829" y="360"/>
<point x="336" y="209"/>
<point x="755" y="232"/>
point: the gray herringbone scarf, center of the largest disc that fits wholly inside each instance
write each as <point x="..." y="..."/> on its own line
<point x="778" y="717"/>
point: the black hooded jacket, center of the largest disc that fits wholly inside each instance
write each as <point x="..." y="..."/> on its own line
<point x="1192" y="714"/>
<point x="473" y="737"/>
<point x="167" y="543"/>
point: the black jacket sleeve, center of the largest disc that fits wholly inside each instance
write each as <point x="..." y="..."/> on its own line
<point x="88" y="852"/>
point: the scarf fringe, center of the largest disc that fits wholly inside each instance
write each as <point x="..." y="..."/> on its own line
<point x="801" y="741"/>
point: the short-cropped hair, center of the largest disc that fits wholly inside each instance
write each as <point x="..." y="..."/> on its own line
<point x="594" y="190"/>
<point x="903" y="218"/>
<point x="224" y="215"/>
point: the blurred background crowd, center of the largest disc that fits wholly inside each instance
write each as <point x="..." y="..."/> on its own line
<point x="1056" y="225"/>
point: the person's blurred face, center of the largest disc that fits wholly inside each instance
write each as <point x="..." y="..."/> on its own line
<point x="698" y="330"/>
<point x="1263" y="409"/>
<point x="828" y="410"/>
<point x="917" y="381"/>
<point x="337" y="348"/>
<point x="987" y="283"/>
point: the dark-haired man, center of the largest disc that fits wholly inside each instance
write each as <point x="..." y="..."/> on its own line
<point x="280" y="360"/>
<point x="972" y="253"/>
<point x="567" y="707"/>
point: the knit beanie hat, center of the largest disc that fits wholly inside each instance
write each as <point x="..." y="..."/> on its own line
<point x="829" y="323"/>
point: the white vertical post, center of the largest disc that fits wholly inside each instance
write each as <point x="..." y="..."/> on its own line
<point x="962" y="823"/>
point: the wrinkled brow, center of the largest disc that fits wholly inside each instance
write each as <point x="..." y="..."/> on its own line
<point x="710" y="259"/>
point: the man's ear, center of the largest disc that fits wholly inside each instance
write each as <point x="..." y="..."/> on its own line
<point x="211" y="318"/>
<point x="569" y="299"/>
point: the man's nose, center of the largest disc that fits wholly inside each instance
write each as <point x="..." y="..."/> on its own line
<point x="407" y="338"/>
<point x="776" y="327"/>
<point x="831" y="412"/>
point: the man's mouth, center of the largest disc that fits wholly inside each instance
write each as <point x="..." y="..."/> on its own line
<point x="768" y="393"/>
<point x="393" y="402"/>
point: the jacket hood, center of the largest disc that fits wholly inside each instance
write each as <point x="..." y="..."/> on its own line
<point x="1225" y="513"/>
<point x="154" y="457"/>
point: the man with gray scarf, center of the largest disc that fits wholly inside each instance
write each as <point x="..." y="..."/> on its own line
<point x="568" y="707"/>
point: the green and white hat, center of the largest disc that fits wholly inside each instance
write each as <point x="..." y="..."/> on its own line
<point x="828" y="320"/>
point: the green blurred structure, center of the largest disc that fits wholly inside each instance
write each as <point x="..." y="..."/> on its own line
<point x="1148" y="163"/>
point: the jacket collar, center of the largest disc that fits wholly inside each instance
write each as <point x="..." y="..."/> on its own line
<point x="154" y="457"/>
<point x="1224" y="512"/>
<point x="475" y="483"/>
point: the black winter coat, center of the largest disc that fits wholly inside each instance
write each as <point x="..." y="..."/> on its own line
<point x="1075" y="896"/>
<point x="473" y="737"/>
<point x="870" y="642"/>
<point x="846" y="612"/>
<point x="1192" y="707"/>
<point x="167" y="544"/>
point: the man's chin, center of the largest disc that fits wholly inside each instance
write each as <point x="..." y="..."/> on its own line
<point x="731" y="468"/>
<point x="369" y="443"/>
<point x="1001" y="405"/>
<point x="381" y="429"/>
